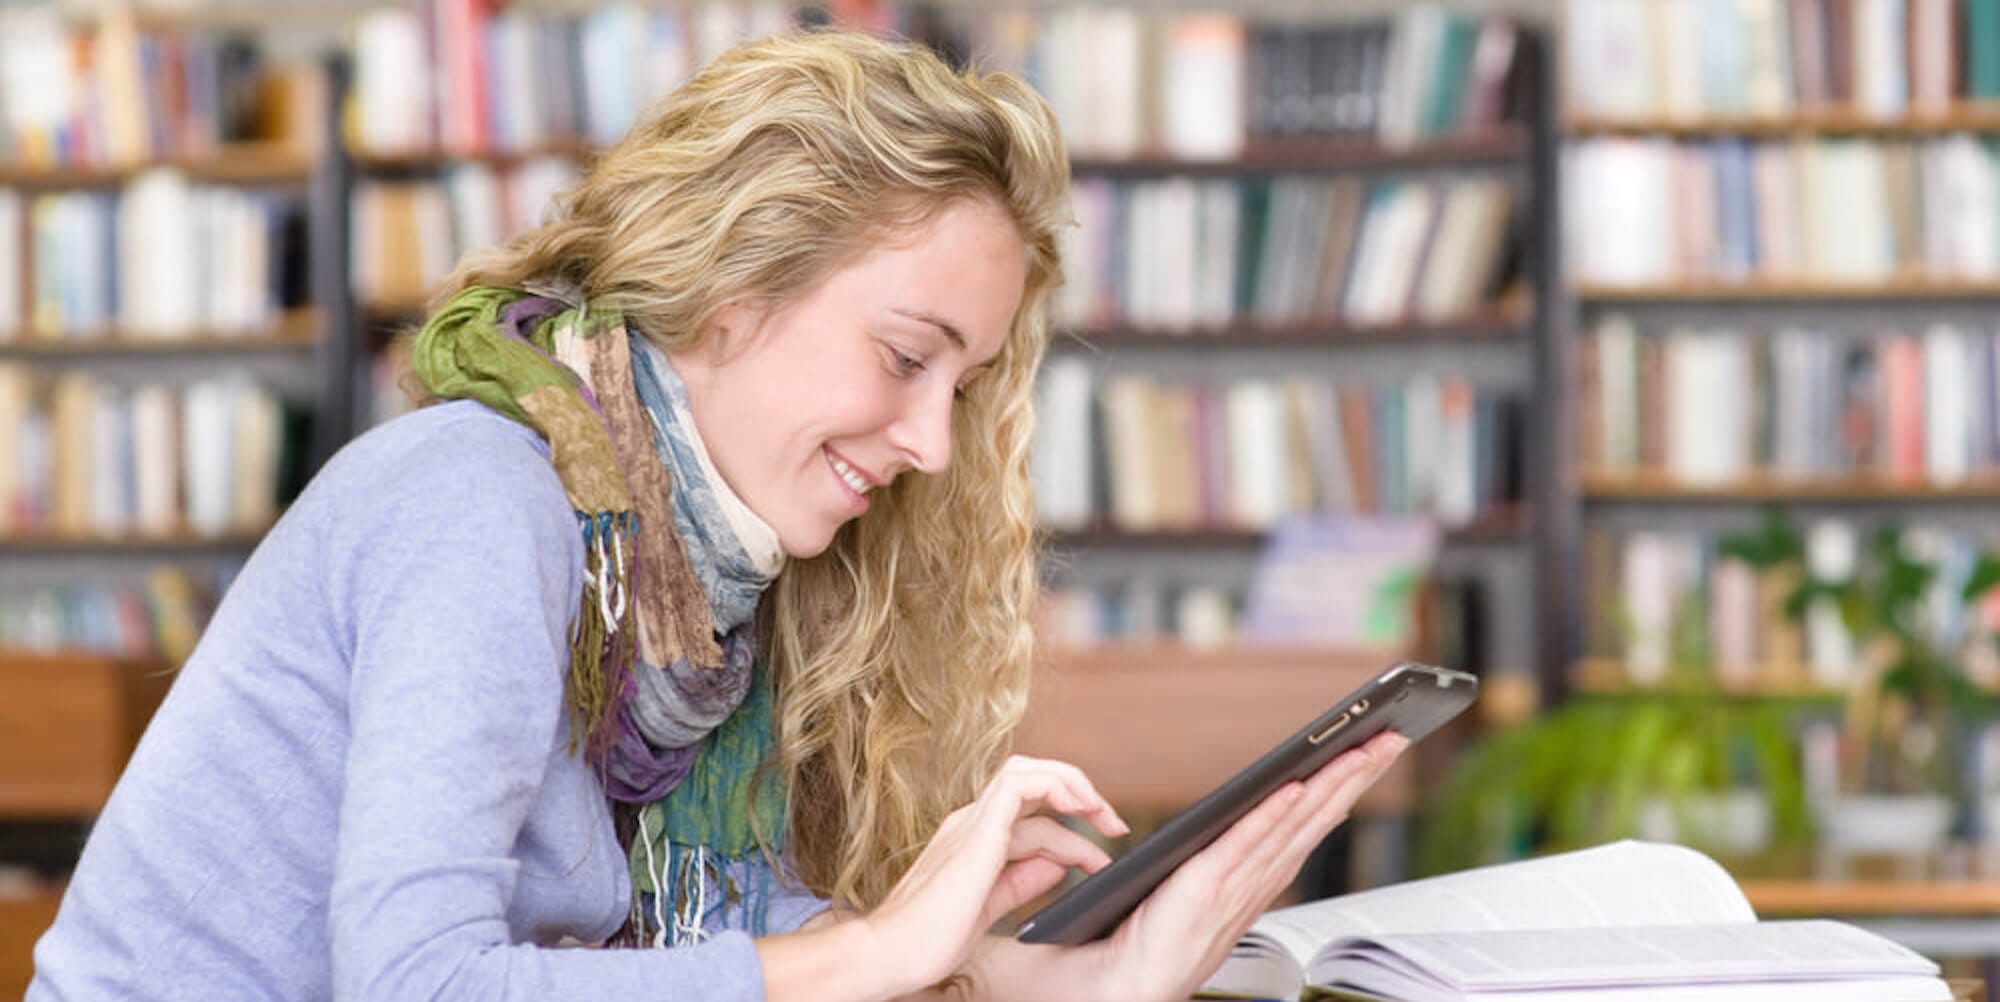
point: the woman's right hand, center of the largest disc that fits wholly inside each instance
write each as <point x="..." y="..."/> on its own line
<point x="987" y="859"/>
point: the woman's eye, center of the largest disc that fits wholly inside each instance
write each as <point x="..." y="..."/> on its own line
<point x="905" y="364"/>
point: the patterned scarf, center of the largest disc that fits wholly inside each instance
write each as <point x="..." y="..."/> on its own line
<point x="677" y="720"/>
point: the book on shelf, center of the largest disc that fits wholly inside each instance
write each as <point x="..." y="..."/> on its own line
<point x="1767" y="59"/>
<point x="1659" y="598"/>
<point x="1180" y="254"/>
<point x="158" y="614"/>
<point x="1147" y="455"/>
<point x="112" y="91"/>
<point x="1622" y="922"/>
<point x="1652" y="210"/>
<point x="1808" y="401"/>
<point x="409" y="233"/>
<point x="159" y="258"/>
<point x="451" y="76"/>
<point x="1209" y="86"/>
<point x="84" y="458"/>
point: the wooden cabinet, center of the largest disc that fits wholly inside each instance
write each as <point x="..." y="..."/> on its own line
<point x="67" y="725"/>
<point x="1155" y="727"/>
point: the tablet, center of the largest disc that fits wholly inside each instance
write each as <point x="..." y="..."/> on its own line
<point x="1411" y="699"/>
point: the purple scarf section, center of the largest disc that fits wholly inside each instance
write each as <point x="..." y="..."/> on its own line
<point x="638" y="772"/>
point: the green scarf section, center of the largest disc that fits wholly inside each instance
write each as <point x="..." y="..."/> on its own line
<point x="691" y="836"/>
<point x="463" y="353"/>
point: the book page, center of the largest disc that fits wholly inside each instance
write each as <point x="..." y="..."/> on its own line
<point x="1625" y="883"/>
<point x="1509" y="960"/>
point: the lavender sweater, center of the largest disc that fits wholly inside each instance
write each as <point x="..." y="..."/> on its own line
<point x="360" y="785"/>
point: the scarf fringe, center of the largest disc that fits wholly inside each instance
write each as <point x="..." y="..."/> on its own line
<point x="602" y="638"/>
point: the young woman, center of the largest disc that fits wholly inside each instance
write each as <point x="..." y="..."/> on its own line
<point x="723" y="517"/>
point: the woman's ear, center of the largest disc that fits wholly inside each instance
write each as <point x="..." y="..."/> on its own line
<point x="721" y="340"/>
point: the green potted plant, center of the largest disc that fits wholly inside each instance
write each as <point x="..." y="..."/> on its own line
<point x="1682" y="761"/>
<point x="1907" y="703"/>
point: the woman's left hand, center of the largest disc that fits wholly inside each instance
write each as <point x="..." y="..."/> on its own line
<point x="1185" y="929"/>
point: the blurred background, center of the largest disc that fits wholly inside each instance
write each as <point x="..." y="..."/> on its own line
<point x="1638" y="356"/>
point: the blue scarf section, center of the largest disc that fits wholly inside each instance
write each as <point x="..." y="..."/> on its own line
<point x="728" y="573"/>
<point x="693" y="858"/>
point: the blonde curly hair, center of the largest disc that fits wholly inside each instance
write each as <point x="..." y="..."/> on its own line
<point x="902" y="653"/>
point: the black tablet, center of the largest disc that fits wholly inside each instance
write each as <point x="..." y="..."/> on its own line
<point x="1411" y="699"/>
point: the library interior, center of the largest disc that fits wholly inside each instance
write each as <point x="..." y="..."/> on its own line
<point x="1492" y="300"/>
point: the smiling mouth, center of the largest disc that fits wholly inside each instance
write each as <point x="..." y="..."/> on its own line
<point x="855" y="480"/>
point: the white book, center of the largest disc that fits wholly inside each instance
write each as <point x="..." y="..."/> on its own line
<point x="1774" y="178"/>
<point x="1623" y="922"/>
<point x="1215" y="300"/>
<point x="1400" y="253"/>
<point x="1457" y="456"/>
<point x="1879" y="66"/>
<point x="476" y="219"/>
<point x="1203" y="71"/>
<point x="1414" y="47"/>
<point x="1177" y="247"/>
<point x="1948" y="416"/>
<point x="1620" y="222"/>
<point x="1112" y="93"/>
<point x="1062" y="459"/>
<point x="392" y="87"/>
<point x="1134" y="287"/>
<point x="1257" y="469"/>
<point x="207" y="419"/>
<point x="156" y="449"/>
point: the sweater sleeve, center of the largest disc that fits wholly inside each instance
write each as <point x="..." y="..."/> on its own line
<point x="453" y="587"/>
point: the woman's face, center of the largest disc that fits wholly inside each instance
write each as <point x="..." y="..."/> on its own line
<point x="810" y="407"/>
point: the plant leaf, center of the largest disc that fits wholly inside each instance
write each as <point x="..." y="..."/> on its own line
<point x="1985" y="574"/>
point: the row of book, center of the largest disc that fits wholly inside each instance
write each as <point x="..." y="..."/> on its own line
<point x="1651" y="210"/>
<point x="160" y="617"/>
<point x="160" y="257"/>
<point x="1718" y="406"/>
<point x="1768" y="58"/>
<point x="465" y="76"/>
<point x="1140" y="611"/>
<point x="1664" y="601"/>
<point x="447" y="74"/>
<point x="410" y="233"/>
<point x="1209" y="616"/>
<point x="1182" y="254"/>
<point x="111" y="92"/>
<point x="1134" y="453"/>
<point x="84" y="457"/>
<point x="1125" y="81"/>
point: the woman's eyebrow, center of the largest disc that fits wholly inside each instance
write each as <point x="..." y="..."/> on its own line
<point x="934" y="320"/>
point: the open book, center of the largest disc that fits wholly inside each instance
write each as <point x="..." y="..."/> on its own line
<point x="1624" y="922"/>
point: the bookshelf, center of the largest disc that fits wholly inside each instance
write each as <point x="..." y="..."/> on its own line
<point x="1811" y="223"/>
<point x="191" y="334"/>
